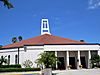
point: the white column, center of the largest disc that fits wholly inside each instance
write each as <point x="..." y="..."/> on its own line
<point x="67" y="58"/>
<point x="89" y="53"/>
<point x="89" y="57"/>
<point x="79" y="61"/>
<point x="56" y="61"/>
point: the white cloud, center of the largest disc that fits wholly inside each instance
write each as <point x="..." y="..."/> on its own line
<point x="94" y="4"/>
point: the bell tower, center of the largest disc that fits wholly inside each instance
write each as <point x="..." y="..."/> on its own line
<point x="45" y="27"/>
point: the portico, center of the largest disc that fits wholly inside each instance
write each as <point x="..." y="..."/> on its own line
<point x="74" y="59"/>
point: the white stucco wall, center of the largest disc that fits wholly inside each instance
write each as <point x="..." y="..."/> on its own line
<point x="70" y="47"/>
<point x="11" y="52"/>
<point x="32" y="53"/>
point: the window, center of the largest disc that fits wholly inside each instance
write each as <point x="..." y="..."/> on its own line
<point x="44" y="24"/>
<point x="45" y="30"/>
<point x="16" y="59"/>
<point x="8" y="59"/>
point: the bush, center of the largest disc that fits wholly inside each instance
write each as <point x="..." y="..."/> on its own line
<point x="28" y="64"/>
<point x="10" y="66"/>
<point x="18" y="69"/>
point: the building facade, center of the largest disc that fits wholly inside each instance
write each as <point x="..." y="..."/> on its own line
<point x="69" y="52"/>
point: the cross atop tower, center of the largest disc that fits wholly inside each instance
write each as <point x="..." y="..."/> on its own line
<point x="45" y="27"/>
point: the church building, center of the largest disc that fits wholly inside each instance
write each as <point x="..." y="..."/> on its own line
<point x="69" y="52"/>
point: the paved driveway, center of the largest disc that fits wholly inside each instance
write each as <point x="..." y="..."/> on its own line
<point x="79" y="72"/>
<point x="21" y="73"/>
<point x="60" y="72"/>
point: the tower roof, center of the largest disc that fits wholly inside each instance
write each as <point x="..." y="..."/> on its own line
<point x="43" y="39"/>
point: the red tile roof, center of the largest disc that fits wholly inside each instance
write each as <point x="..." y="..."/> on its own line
<point x="43" y="39"/>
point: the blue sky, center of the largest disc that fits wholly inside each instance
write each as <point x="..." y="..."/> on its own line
<point x="74" y="19"/>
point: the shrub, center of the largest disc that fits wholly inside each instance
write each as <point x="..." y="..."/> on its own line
<point x="10" y="66"/>
<point x="95" y="59"/>
<point x="18" y="69"/>
<point x="28" y="64"/>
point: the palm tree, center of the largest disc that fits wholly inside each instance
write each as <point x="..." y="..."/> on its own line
<point x="48" y="59"/>
<point x="0" y="46"/>
<point x="20" y="38"/>
<point x="7" y="3"/>
<point x="14" y="40"/>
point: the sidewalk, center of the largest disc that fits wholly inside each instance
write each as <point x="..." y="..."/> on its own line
<point x="79" y="72"/>
<point x="21" y="73"/>
<point x="59" y="72"/>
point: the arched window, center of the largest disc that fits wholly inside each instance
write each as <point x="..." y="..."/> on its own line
<point x="16" y="59"/>
<point x="8" y="59"/>
<point x="44" y="24"/>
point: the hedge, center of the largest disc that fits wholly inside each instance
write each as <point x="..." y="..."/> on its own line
<point x="10" y="66"/>
<point x="18" y="69"/>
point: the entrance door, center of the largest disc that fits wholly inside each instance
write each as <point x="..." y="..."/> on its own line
<point x="61" y="64"/>
<point x="72" y="62"/>
<point x="83" y="62"/>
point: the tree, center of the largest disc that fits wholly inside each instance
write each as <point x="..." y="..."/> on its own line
<point x="7" y="3"/>
<point x="20" y="38"/>
<point x="14" y="40"/>
<point x="3" y="60"/>
<point x="48" y="59"/>
<point x="0" y="46"/>
<point x="95" y="59"/>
